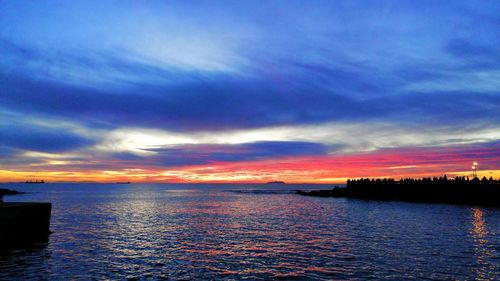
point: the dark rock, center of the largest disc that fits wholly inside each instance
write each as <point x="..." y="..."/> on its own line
<point x="4" y="191"/>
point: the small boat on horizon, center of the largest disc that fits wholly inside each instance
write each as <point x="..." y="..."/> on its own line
<point x="122" y="182"/>
<point x="276" y="182"/>
<point x="34" y="181"/>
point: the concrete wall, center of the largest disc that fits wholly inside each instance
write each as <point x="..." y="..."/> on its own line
<point x="21" y="221"/>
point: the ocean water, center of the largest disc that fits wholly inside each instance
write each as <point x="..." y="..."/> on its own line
<point x="227" y="232"/>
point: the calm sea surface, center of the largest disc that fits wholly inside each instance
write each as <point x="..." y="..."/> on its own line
<point x="184" y="232"/>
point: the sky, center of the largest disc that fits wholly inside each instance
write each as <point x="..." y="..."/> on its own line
<point x="248" y="91"/>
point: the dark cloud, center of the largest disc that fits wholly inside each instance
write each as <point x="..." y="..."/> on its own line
<point x="36" y="138"/>
<point x="230" y="103"/>
<point x="203" y="105"/>
<point x="88" y="69"/>
<point x="475" y="55"/>
<point x="464" y="48"/>
<point x="183" y="155"/>
<point x="349" y="79"/>
<point x="6" y="152"/>
<point x="310" y="74"/>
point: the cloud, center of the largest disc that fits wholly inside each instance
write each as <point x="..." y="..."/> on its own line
<point x="6" y="152"/>
<point x="94" y="69"/>
<point x="18" y="135"/>
<point x="181" y="85"/>
<point x="475" y="54"/>
<point x="231" y="103"/>
<point x="182" y="155"/>
<point x="336" y="136"/>
<point x="302" y="72"/>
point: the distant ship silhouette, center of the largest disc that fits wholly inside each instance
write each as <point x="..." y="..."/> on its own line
<point x="276" y="182"/>
<point x="34" y="181"/>
<point x="122" y="182"/>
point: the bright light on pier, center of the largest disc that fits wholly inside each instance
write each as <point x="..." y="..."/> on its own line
<point x="474" y="169"/>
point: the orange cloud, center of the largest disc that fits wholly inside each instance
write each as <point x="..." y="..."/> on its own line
<point x="397" y="163"/>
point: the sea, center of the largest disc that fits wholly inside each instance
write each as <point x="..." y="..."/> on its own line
<point x="249" y="231"/>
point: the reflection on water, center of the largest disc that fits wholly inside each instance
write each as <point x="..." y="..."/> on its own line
<point x="484" y="251"/>
<point x="194" y="232"/>
<point x="479" y="226"/>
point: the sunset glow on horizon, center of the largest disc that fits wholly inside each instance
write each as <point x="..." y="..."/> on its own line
<point x="393" y="163"/>
<point x="221" y="92"/>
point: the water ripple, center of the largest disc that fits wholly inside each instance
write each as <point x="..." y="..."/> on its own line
<point x="152" y="232"/>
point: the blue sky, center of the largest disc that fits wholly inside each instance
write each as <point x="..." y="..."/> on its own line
<point x="151" y="79"/>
